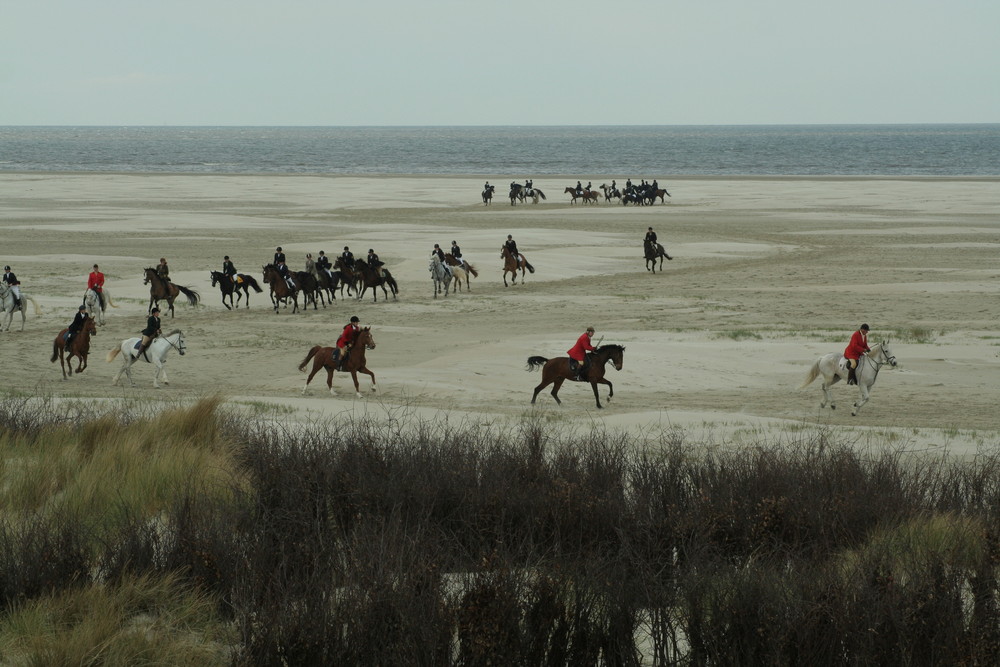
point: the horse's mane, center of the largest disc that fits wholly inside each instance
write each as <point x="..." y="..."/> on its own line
<point x="175" y="331"/>
<point x="611" y="347"/>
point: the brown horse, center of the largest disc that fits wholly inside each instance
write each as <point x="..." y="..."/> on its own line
<point x="511" y="265"/>
<point x="79" y="348"/>
<point x="653" y="194"/>
<point x="241" y="287"/>
<point x="322" y="357"/>
<point x="652" y="254"/>
<point x="450" y="260"/>
<point x="160" y="289"/>
<point x="588" y="196"/>
<point x="558" y="370"/>
<point x="280" y="291"/>
<point x="368" y="278"/>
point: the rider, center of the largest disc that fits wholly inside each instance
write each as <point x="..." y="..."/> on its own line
<point x="286" y="274"/>
<point x="375" y="263"/>
<point x="588" y="186"/>
<point x="310" y="263"/>
<point x="76" y="326"/>
<point x="151" y="331"/>
<point x="437" y="251"/>
<point x="228" y="268"/>
<point x="579" y="362"/>
<point x="279" y="256"/>
<point x="323" y="263"/>
<point x="651" y="237"/>
<point x="163" y="271"/>
<point x="857" y="347"/>
<point x="348" y="257"/>
<point x="15" y="285"/>
<point x="579" y="188"/>
<point x="347" y="337"/>
<point x="456" y="252"/>
<point x="95" y="281"/>
<point x="511" y="246"/>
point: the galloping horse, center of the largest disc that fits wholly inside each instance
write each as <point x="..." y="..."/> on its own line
<point x="280" y="291"/>
<point x="652" y="254"/>
<point x="331" y="281"/>
<point x="241" y="287"/>
<point x="458" y="275"/>
<point x="79" y="348"/>
<point x="588" y="196"/>
<point x="488" y="195"/>
<point x="161" y="289"/>
<point x="7" y="303"/>
<point x="368" y="278"/>
<point x="96" y="305"/>
<point x="450" y="260"/>
<point x="651" y="195"/>
<point x="440" y="274"/>
<point x="558" y="370"/>
<point x="310" y="288"/>
<point x="868" y="367"/>
<point x="355" y="363"/>
<point x="156" y="354"/>
<point x="512" y="264"/>
<point x="610" y="193"/>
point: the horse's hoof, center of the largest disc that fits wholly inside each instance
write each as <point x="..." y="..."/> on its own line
<point x="374" y="388"/>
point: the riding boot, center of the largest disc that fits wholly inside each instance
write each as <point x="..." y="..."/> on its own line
<point x="852" y="378"/>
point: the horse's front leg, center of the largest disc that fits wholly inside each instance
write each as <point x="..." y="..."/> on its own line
<point x="865" y="395"/>
<point x="81" y="364"/>
<point x="371" y="375"/>
<point x="597" y="395"/>
<point x="827" y="397"/>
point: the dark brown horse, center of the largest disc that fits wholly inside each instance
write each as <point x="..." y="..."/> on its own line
<point x="280" y="291"/>
<point x="558" y="370"/>
<point x="652" y="254"/>
<point x="512" y="265"/>
<point x="241" y="287"/>
<point x="79" y="347"/>
<point x="450" y="260"/>
<point x="310" y="288"/>
<point x="322" y="357"/>
<point x="364" y="277"/>
<point x="160" y="289"/>
<point x="588" y="196"/>
<point x="488" y="194"/>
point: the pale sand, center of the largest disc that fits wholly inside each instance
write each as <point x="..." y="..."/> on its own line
<point x="795" y="264"/>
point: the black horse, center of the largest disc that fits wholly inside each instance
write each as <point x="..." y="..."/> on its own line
<point x="488" y="195"/>
<point x="241" y="287"/>
<point x="654" y="251"/>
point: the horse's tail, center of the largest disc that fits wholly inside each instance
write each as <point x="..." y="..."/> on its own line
<point x="108" y="295"/>
<point x="472" y="270"/>
<point x="312" y="353"/>
<point x="531" y="269"/>
<point x="392" y="283"/>
<point x="253" y="283"/>
<point x="536" y="362"/>
<point x="38" y="310"/>
<point x="812" y="375"/>
<point x="112" y="354"/>
<point x="540" y="193"/>
<point x="55" y="349"/>
<point x="191" y="295"/>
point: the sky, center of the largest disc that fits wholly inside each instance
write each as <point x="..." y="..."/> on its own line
<point x="456" y="62"/>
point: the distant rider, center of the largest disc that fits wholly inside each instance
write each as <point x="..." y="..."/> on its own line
<point x="163" y="271"/>
<point x="76" y="326"/>
<point x="95" y="282"/>
<point x="857" y="347"/>
<point x="347" y="337"/>
<point x="279" y="256"/>
<point x="15" y="285"/>
<point x="151" y="331"/>
<point x="437" y="251"/>
<point x="375" y="263"/>
<point x="579" y="362"/>
<point x="228" y="268"/>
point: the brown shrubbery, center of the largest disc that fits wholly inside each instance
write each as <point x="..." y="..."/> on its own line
<point x="387" y="542"/>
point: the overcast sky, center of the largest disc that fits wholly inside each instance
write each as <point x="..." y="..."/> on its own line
<point x="508" y="62"/>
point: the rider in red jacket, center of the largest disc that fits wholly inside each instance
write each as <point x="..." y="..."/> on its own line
<point x="578" y="354"/>
<point x="857" y="347"/>
<point x="347" y="336"/>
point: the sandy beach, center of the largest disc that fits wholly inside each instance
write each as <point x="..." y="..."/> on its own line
<point x="769" y="273"/>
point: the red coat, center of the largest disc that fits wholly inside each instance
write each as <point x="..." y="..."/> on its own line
<point x="350" y="332"/>
<point x="578" y="351"/>
<point x="95" y="281"/>
<point x="857" y="346"/>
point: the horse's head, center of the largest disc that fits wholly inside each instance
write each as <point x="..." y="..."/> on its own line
<point x="615" y="354"/>
<point x="90" y="326"/>
<point x="267" y="271"/>
<point x="148" y="274"/>
<point x="365" y="338"/>
<point x="884" y="355"/>
<point x="215" y="278"/>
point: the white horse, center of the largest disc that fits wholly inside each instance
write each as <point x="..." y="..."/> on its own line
<point x="440" y="274"/>
<point x="833" y="371"/>
<point x="157" y="355"/>
<point x="94" y="305"/>
<point x="459" y="275"/>
<point x="8" y="308"/>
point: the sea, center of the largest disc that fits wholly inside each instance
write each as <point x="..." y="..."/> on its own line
<point x="522" y="152"/>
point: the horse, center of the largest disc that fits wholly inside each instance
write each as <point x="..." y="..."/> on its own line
<point x="441" y="275"/>
<point x="467" y="267"/>
<point x="368" y="278"/>
<point x="588" y="196"/>
<point x="458" y="275"/>
<point x="155" y="354"/>
<point x="96" y="305"/>
<point x="867" y="371"/>
<point x="556" y="371"/>
<point x="241" y="287"/>
<point x="610" y="193"/>
<point x="516" y="193"/>
<point x="511" y="265"/>
<point x="652" y="254"/>
<point x="7" y="303"/>
<point x="160" y="289"/>
<point x="331" y="281"/>
<point x="535" y="193"/>
<point x="79" y="347"/>
<point x="280" y="291"/>
<point x="488" y="195"/>
<point x="309" y="287"/>
<point x="651" y="195"/>
<point x="322" y="357"/>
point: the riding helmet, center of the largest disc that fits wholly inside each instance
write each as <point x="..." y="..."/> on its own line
<point x="278" y="249"/>
<point x="354" y="318"/>
<point x="226" y="257"/>
<point x="865" y="327"/>
<point x="83" y="306"/>
<point x="6" y="268"/>
<point x="371" y="249"/>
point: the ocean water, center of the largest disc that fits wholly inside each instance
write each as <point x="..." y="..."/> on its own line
<point x="520" y="152"/>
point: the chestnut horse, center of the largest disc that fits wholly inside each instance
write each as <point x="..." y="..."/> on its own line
<point x="556" y="371"/>
<point x="160" y="289"/>
<point x="280" y="291"/>
<point x="588" y="196"/>
<point x="79" y="347"/>
<point x="322" y="357"/>
<point x="511" y="265"/>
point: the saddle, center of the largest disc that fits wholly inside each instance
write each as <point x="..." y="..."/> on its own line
<point x="135" y="350"/>
<point x="579" y="370"/>
<point x="342" y="362"/>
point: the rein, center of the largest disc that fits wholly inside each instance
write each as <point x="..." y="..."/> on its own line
<point x="877" y="364"/>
